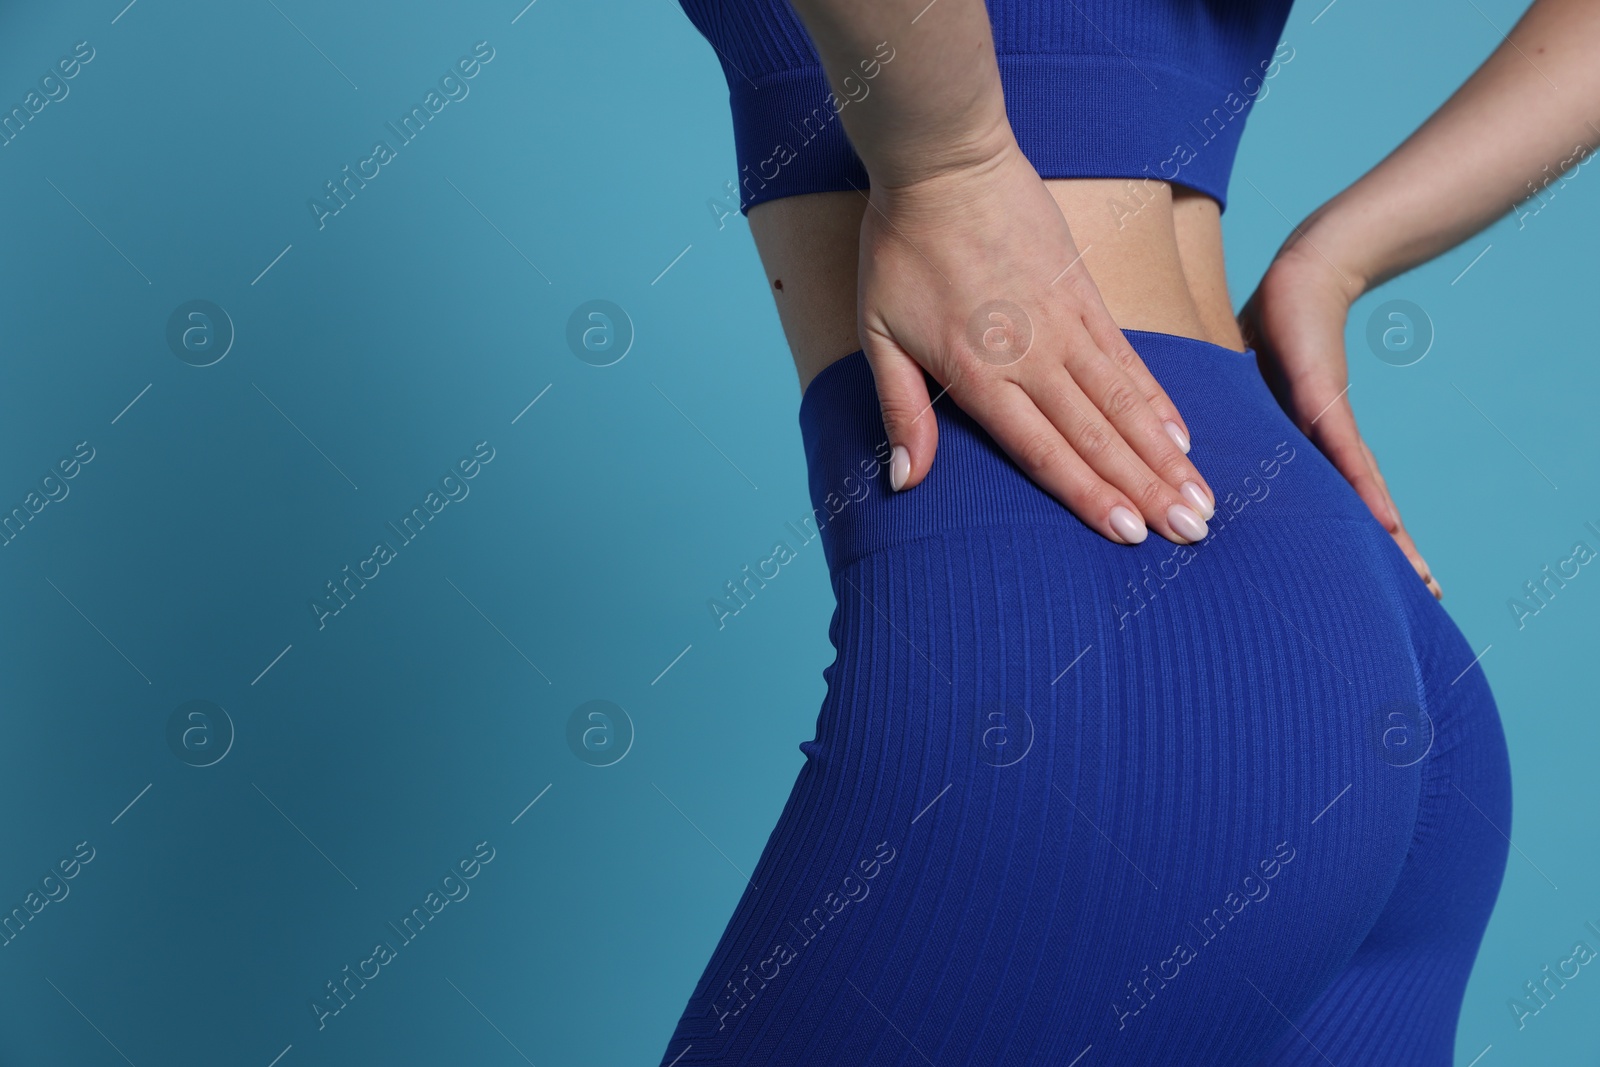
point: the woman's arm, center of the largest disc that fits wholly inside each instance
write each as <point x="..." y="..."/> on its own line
<point x="968" y="270"/>
<point x="938" y="108"/>
<point x="1531" y="111"/>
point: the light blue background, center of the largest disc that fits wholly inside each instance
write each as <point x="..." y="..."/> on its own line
<point x="589" y="155"/>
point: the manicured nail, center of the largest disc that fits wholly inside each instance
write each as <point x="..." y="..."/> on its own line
<point x="1179" y="438"/>
<point x="899" y="467"/>
<point x="1128" y="526"/>
<point x="1186" y="523"/>
<point x="1198" y="500"/>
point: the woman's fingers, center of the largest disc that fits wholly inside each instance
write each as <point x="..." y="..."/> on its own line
<point x="1111" y="340"/>
<point x="1336" y="435"/>
<point x="1036" y="445"/>
<point x="1402" y="536"/>
<point x="1121" y="402"/>
<point x="1333" y="431"/>
<point x="1093" y="451"/>
<point x="1101" y="446"/>
<point x="908" y="419"/>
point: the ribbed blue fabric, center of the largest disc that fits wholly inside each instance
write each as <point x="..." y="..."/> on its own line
<point x="1156" y="89"/>
<point x="1236" y="803"/>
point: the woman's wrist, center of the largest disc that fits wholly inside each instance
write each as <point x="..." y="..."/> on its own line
<point x="955" y="174"/>
<point x="961" y="144"/>
<point x="1328" y="243"/>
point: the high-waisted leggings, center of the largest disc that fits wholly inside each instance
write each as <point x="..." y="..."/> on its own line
<point x="1075" y="803"/>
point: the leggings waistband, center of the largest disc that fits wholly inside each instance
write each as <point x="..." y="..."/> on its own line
<point x="1233" y="419"/>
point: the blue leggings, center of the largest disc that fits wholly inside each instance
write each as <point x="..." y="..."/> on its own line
<point x="1073" y="803"/>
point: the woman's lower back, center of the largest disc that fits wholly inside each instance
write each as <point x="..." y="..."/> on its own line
<point x="1238" y="802"/>
<point x="1154" y="250"/>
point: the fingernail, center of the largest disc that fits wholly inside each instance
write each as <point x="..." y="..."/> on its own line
<point x="1198" y="500"/>
<point x="1129" y="526"/>
<point x="1187" y="524"/>
<point x="899" y="467"/>
<point x="1179" y="438"/>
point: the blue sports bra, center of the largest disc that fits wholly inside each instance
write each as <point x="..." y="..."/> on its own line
<point x="1137" y="89"/>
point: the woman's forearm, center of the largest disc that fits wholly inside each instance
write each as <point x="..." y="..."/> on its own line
<point x="1531" y="111"/>
<point x="936" y="106"/>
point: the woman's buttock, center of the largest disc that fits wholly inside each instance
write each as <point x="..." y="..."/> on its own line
<point x="1066" y="794"/>
<point x="1297" y="607"/>
<point x="1153" y="250"/>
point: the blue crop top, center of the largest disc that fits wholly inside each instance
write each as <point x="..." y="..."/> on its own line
<point x="1156" y="89"/>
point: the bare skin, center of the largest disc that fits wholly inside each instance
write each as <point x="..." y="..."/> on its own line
<point x="1160" y="270"/>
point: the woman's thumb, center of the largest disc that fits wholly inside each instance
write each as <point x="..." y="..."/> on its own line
<point x="908" y="419"/>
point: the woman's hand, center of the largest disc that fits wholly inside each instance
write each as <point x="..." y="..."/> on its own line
<point x="1295" y="320"/>
<point x="972" y="274"/>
